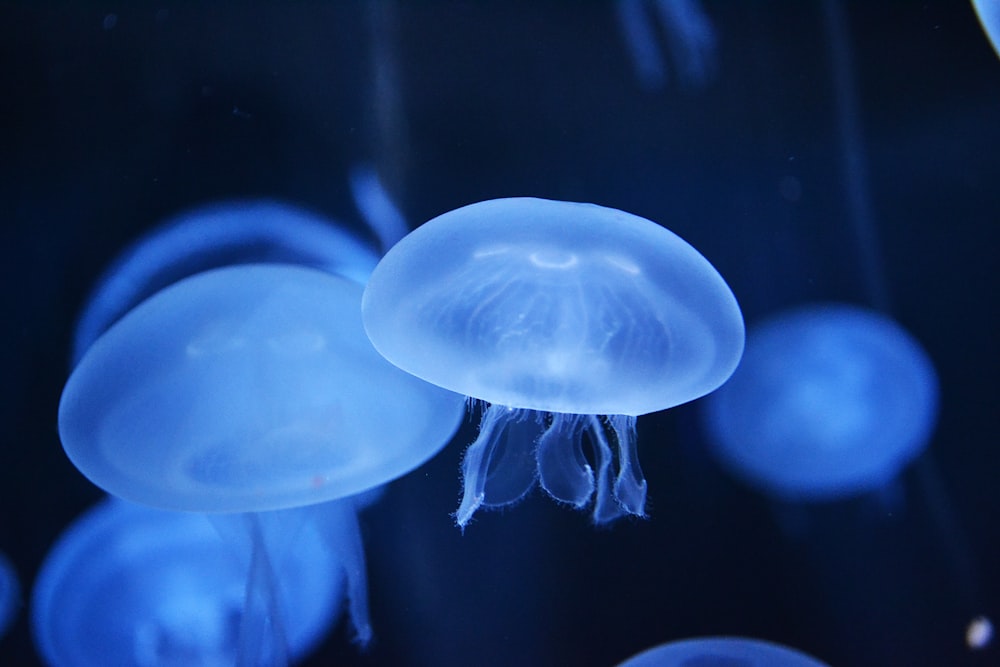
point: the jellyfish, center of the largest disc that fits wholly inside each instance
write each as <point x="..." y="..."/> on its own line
<point x="10" y="594"/>
<point x="565" y="320"/>
<point x="213" y="236"/>
<point x="691" y="40"/>
<point x="721" y="652"/>
<point x="830" y="401"/>
<point x="127" y="584"/>
<point x="988" y="12"/>
<point x="247" y="389"/>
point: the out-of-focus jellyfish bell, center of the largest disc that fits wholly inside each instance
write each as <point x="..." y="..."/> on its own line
<point x="214" y="236"/>
<point x="246" y="389"/>
<point x="988" y="12"/>
<point x="10" y="594"/>
<point x="830" y="401"/>
<point x="721" y="652"/>
<point x="567" y="319"/>
<point x="132" y="585"/>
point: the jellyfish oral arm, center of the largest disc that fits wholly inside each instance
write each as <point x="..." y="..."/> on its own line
<point x="563" y="468"/>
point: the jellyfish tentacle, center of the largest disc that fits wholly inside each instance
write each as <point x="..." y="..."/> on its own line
<point x="605" y="507"/>
<point x="262" y="638"/>
<point x="513" y="471"/>
<point x="563" y="469"/>
<point x="342" y="520"/>
<point x="630" y="485"/>
<point x="476" y="463"/>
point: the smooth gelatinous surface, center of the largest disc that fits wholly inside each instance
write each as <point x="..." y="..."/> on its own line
<point x="988" y="12"/>
<point x="131" y="585"/>
<point x="830" y="400"/>
<point x="245" y="389"/>
<point x="554" y="306"/>
<point x="721" y="652"/>
<point x="211" y="237"/>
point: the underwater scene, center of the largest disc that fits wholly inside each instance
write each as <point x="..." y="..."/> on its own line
<point x="636" y="332"/>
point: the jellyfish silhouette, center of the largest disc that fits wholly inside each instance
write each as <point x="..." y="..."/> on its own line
<point x="568" y="319"/>
<point x="721" y="652"/>
<point x="246" y="389"/>
<point x="10" y="594"/>
<point x="127" y="584"/>
<point x="214" y="236"/>
<point x="829" y="401"/>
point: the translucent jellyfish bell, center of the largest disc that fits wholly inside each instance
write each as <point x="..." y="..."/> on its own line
<point x="10" y="594"/>
<point x="567" y="319"/>
<point x="721" y="652"/>
<point x="214" y="236"/>
<point x="246" y="389"/>
<point x="988" y="12"/>
<point x="830" y="400"/>
<point x="131" y="585"/>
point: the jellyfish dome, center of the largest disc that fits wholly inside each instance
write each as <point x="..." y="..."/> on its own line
<point x="721" y="652"/>
<point x="244" y="389"/>
<point x="988" y="12"/>
<point x="10" y="594"/>
<point x="214" y="236"/>
<point x="830" y="401"/>
<point x="567" y="319"/>
<point x="132" y="585"/>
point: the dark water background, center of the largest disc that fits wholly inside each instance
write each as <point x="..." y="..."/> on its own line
<point x="107" y="129"/>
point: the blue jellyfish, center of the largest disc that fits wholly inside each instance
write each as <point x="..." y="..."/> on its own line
<point x="246" y="389"/>
<point x="214" y="236"/>
<point x="131" y="585"/>
<point x="830" y="401"/>
<point x="691" y="40"/>
<point x="567" y="319"/>
<point x="988" y="12"/>
<point x="10" y="594"/>
<point x="721" y="652"/>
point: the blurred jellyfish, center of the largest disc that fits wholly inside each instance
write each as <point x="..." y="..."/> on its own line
<point x="721" y="652"/>
<point x="214" y="236"/>
<point x="829" y="401"/>
<point x="568" y="319"/>
<point x="132" y="585"/>
<point x="690" y="36"/>
<point x="988" y="12"/>
<point x="10" y="594"/>
<point x="247" y="389"/>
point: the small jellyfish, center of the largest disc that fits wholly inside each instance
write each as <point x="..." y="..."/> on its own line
<point x="131" y="585"/>
<point x="721" y="652"/>
<point x="829" y="401"/>
<point x="567" y="319"/>
<point x="214" y="236"/>
<point x="10" y="594"/>
<point x="246" y="389"/>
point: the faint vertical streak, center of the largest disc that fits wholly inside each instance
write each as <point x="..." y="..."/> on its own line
<point x="691" y="39"/>
<point x="376" y="206"/>
<point x="647" y="59"/>
<point x="689" y="34"/>
<point x="854" y="161"/>
<point x="389" y="143"/>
